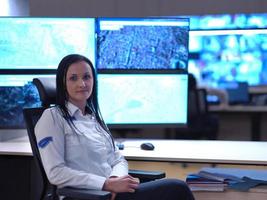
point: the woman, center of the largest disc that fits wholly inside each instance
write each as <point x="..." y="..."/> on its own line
<point x="77" y="148"/>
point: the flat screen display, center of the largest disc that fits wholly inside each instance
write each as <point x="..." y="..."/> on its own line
<point x="136" y="100"/>
<point x="218" y="56"/>
<point x="228" y="21"/>
<point x="40" y="43"/>
<point x="16" y="92"/>
<point x="238" y="92"/>
<point x="142" y="43"/>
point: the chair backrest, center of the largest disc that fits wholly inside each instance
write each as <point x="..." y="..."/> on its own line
<point x="197" y="99"/>
<point x="200" y="121"/>
<point x="31" y="116"/>
<point x="46" y="87"/>
<point x="202" y="101"/>
<point x="47" y="91"/>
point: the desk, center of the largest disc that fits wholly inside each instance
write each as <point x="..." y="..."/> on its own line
<point x="255" y="113"/>
<point x="19" y="175"/>
<point x="224" y="152"/>
<point x="198" y="151"/>
<point x="191" y="151"/>
<point x="16" y="148"/>
<point x="253" y="194"/>
<point x="219" y="152"/>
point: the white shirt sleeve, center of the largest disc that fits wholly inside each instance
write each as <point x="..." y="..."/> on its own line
<point x="50" y="138"/>
<point x="119" y="164"/>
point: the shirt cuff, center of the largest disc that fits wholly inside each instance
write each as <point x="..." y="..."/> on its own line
<point x="99" y="183"/>
<point x="119" y="170"/>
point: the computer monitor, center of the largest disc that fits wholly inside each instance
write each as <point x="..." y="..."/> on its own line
<point x="17" y="92"/>
<point x="238" y="92"/>
<point x="40" y="43"/>
<point x="228" y="21"/>
<point x="228" y="56"/>
<point x="228" y="48"/>
<point x="142" y="43"/>
<point x="143" y="99"/>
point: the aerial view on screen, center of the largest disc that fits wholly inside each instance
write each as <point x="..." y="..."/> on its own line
<point x="143" y="98"/>
<point x="16" y="93"/>
<point x="142" y="44"/>
<point x="40" y="43"/>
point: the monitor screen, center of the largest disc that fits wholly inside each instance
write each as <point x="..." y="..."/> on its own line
<point x="142" y="43"/>
<point x="16" y="92"/>
<point x="40" y="43"/>
<point x="228" y="21"/>
<point x="228" y="56"/>
<point x="137" y="100"/>
<point x="237" y="92"/>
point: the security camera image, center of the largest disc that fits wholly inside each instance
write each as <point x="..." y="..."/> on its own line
<point x="229" y="56"/>
<point x="228" y="48"/>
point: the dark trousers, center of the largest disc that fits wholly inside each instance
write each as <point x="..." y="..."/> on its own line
<point x="163" y="189"/>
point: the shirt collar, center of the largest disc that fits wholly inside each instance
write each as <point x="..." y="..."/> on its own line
<point x="72" y="109"/>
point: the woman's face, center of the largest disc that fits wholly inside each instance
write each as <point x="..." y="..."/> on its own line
<point x="79" y="83"/>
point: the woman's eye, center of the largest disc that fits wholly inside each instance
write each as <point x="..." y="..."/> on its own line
<point x="73" y="78"/>
<point x="86" y="77"/>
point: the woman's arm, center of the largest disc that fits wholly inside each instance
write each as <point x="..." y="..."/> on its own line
<point x="50" y="138"/>
<point x="119" y="164"/>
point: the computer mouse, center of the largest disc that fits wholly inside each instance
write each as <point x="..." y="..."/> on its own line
<point x="147" y="146"/>
<point x="120" y="146"/>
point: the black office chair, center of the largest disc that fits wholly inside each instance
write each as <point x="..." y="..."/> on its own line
<point x="201" y="123"/>
<point x="47" y="91"/>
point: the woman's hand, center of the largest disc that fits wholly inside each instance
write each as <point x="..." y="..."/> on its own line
<point x="113" y="196"/>
<point x="121" y="184"/>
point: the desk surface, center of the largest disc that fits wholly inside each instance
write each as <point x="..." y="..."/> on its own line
<point x="194" y="151"/>
<point x="199" y="151"/>
<point x="258" y="193"/>
<point x="238" y="108"/>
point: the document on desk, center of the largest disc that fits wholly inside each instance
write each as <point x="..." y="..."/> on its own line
<point x="242" y="179"/>
<point x="237" y="173"/>
<point x="196" y="182"/>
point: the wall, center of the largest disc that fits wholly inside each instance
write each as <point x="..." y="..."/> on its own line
<point x="14" y="8"/>
<point x="127" y="8"/>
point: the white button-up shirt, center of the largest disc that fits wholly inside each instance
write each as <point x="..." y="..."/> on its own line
<point x="82" y="159"/>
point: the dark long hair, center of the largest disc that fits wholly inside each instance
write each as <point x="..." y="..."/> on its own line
<point x="62" y="94"/>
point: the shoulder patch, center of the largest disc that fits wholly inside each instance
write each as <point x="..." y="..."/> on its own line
<point x="45" y="141"/>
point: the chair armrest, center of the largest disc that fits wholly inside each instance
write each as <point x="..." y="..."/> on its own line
<point x="146" y="176"/>
<point x="76" y="193"/>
